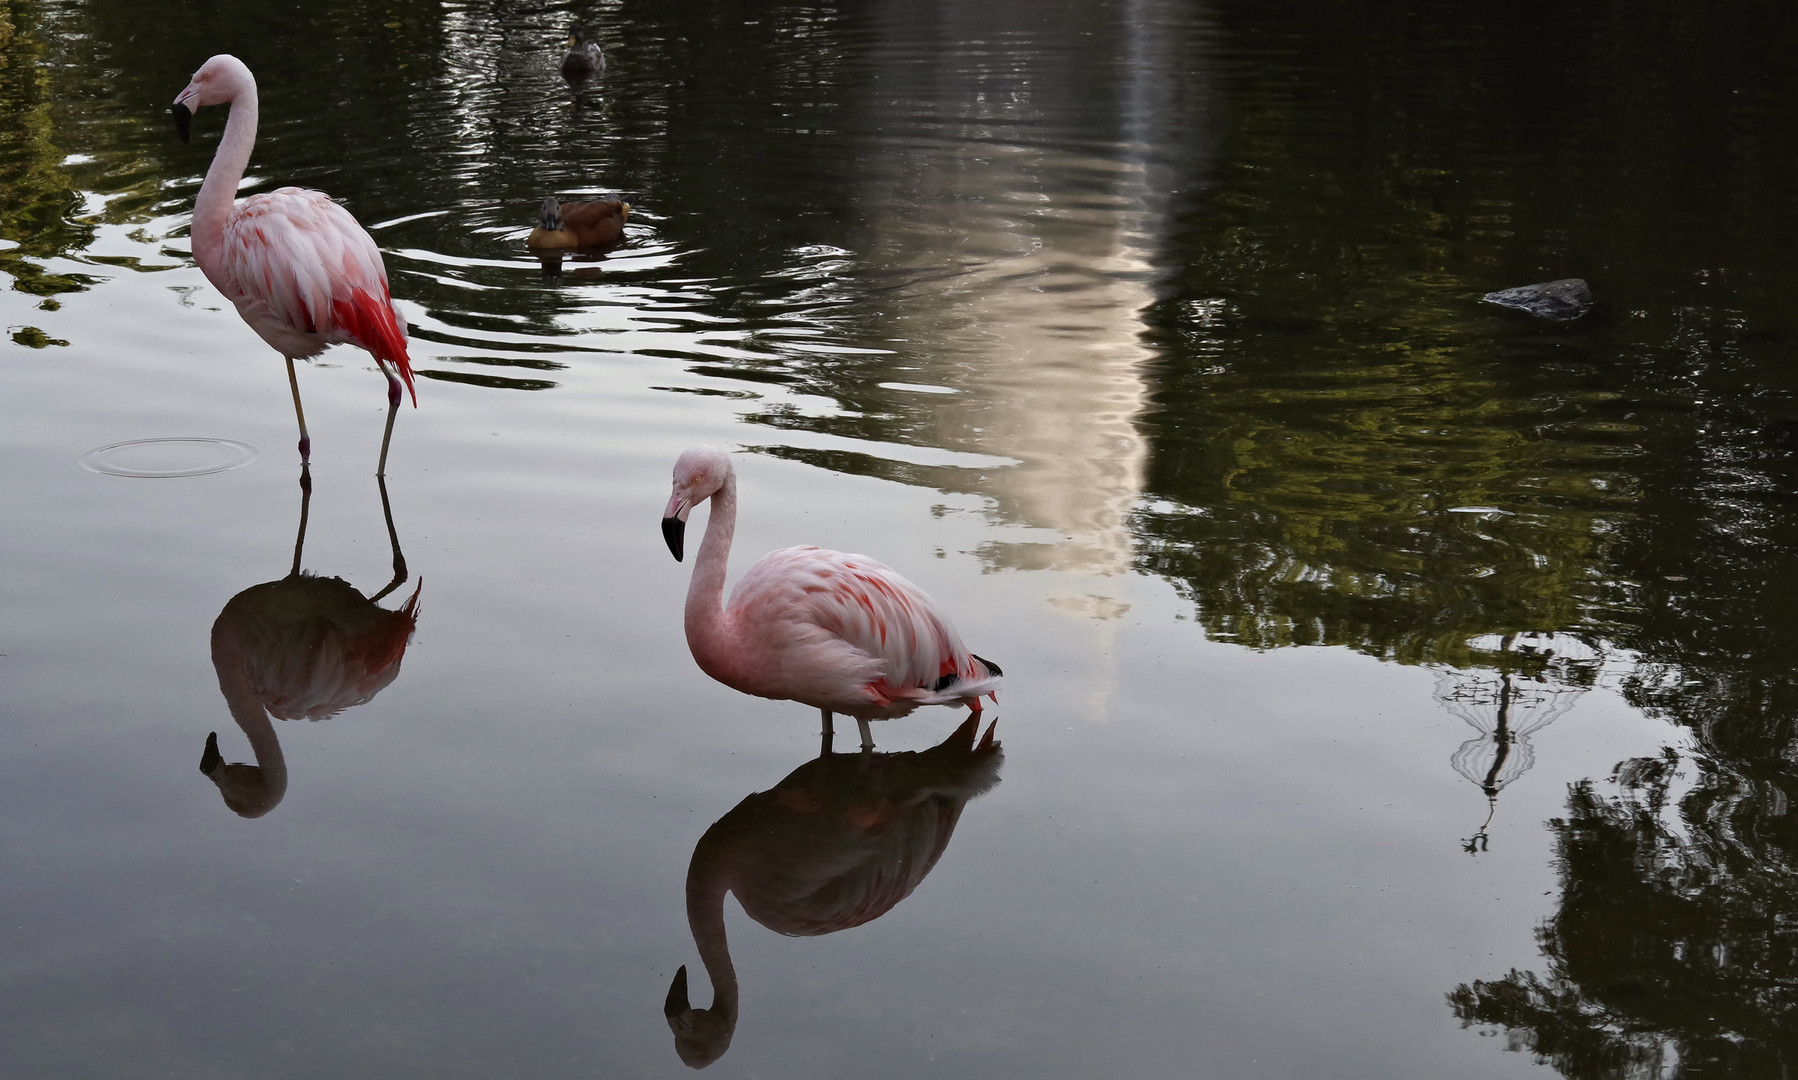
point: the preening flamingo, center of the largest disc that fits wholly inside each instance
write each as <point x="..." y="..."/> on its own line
<point x="843" y="633"/>
<point x="836" y="844"/>
<point x="300" y="269"/>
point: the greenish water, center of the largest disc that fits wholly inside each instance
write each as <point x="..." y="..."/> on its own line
<point x="1395" y="685"/>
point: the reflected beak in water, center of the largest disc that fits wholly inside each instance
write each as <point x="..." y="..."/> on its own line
<point x="677" y="1003"/>
<point x="183" y="119"/>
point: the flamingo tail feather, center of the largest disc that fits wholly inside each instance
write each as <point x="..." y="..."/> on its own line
<point x="376" y="328"/>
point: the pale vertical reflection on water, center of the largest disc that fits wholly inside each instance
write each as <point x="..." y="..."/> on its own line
<point x="1029" y="303"/>
<point x="1014" y="255"/>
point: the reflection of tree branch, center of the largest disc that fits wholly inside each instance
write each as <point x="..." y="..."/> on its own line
<point x="1501" y="738"/>
<point x="38" y="201"/>
<point x="1531" y="684"/>
<point x="1576" y="1037"/>
<point x="1673" y="950"/>
<point x="1477" y="843"/>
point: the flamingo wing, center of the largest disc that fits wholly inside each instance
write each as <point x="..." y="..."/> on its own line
<point x="304" y="264"/>
<point x="859" y="609"/>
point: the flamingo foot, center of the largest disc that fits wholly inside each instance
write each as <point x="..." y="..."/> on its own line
<point x="987" y="742"/>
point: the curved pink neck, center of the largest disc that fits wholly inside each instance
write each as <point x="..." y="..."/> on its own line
<point x="708" y="634"/>
<point x="219" y="192"/>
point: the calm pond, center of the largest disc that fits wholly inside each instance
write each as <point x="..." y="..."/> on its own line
<point x="1396" y="686"/>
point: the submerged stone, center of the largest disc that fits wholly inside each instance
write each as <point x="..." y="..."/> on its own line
<point x="1557" y="301"/>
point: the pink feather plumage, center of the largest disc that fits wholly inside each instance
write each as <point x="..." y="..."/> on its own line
<point x="841" y="632"/>
<point x="301" y="271"/>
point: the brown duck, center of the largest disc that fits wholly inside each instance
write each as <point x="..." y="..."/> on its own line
<point x="579" y="224"/>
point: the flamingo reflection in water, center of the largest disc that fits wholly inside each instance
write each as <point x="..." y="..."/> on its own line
<point x="300" y="648"/>
<point x="836" y="844"/>
<point x="842" y="633"/>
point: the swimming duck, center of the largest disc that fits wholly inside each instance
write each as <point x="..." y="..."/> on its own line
<point x="579" y="224"/>
<point x="583" y="61"/>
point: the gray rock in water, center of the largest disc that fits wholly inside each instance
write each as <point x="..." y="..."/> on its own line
<point x="1557" y="301"/>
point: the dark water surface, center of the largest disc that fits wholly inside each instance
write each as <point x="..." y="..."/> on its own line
<point x="1396" y="687"/>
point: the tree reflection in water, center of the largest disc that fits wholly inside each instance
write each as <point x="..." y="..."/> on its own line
<point x="1535" y="679"/>
<point x="1673" y="952"/>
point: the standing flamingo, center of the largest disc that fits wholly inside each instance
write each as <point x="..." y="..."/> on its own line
<point x="301" y="270"/>
<point x="840" y="632"/>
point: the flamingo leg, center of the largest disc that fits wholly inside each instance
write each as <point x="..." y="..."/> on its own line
<point x="867" y="738"/>
<point x="299" y="413"/>
<point x="828" y="735"/>
<point x="299" y="541"/>
<point x="393" y="407"/>
<point x="393" y="539"/>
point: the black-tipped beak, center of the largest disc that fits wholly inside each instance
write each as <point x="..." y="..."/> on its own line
<point x="184" y="119"/>
<point x="674" y="530"/>
<point x="677" y="1005"/>
<point x="210" y="758"/>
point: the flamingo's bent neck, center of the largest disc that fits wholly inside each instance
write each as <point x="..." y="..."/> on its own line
<point x="251" y="792"/>
<point x="219" y="192"/>
<point x="252" y="717"/>
<point x="708" y="632"/>
<point x="707" y="882"/>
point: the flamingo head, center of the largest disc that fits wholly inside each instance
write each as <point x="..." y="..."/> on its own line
<point x="701" y="1036"/>
<point x="219" y="80"/>
<point x="249" y="790"/>
<point x="699" y="474"/>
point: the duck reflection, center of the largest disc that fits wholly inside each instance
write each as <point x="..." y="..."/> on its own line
<point x="837" y="843"/>
<point x="302" y="647"/>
